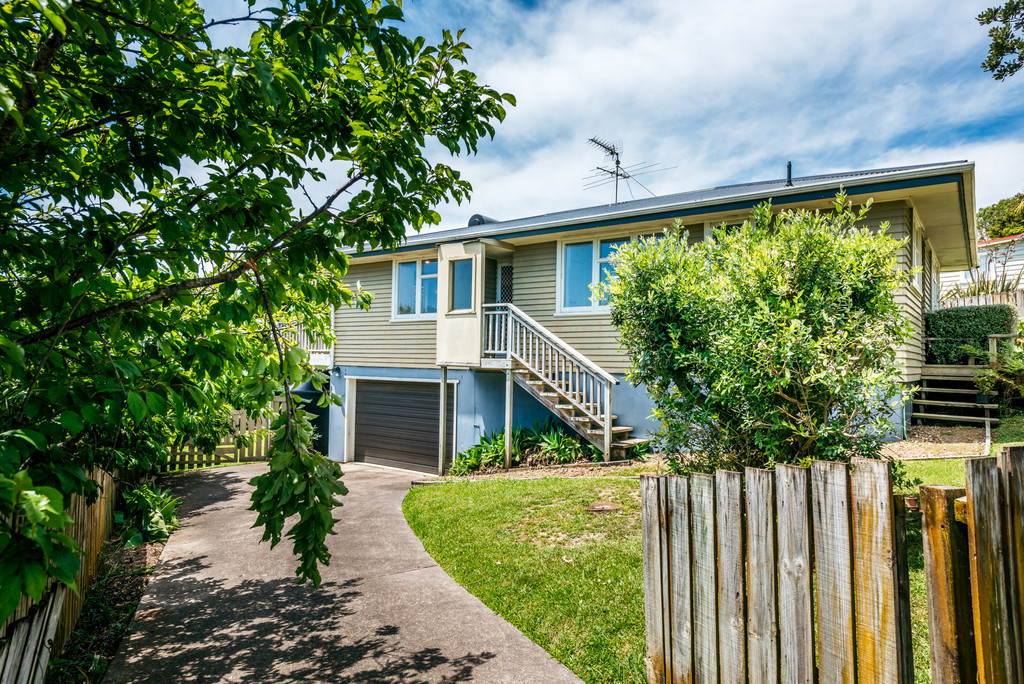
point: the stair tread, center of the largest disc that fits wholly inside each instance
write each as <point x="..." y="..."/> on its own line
<point x="963" y="419"/>
<point x="587" y="419"/>
<point x="615" y="428"/>
<point x="957" y="404"/>
<point x="959" y="378"/>
<point x="631" y="442"/>
<point x="954" y="390"/>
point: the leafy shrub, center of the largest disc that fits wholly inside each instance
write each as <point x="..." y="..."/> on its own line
<point x="148" y="514"/>
<point x="1003" y="373"/>
<point x="541" y="444"/>
<point x="965" y="328"/>
<point x="775" y="341"/>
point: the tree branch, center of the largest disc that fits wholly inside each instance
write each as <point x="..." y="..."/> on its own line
<point x="44" y="58"/>
<point x="245" y="263"/>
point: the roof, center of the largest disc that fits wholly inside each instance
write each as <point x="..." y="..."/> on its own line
<point x="996" y="241"/>
<point x="679" y="205"/>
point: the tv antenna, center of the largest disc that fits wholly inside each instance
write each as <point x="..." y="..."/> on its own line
<point x="605" y="176"/>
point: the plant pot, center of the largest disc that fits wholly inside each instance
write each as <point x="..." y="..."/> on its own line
<point x="981" y="398"/>
<point x="911" y="502"/>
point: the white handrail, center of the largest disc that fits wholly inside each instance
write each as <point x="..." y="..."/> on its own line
<point x="555" y="339"/>
<point x="509" y="333"/>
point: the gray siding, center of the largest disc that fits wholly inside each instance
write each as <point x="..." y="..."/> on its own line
<point x="534" y="286"/>
<point x="370" y="338"/>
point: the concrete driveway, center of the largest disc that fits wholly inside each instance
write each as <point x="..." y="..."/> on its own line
<point x="223" y="607"/>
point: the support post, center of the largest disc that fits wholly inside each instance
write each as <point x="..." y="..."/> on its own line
<point x="442" y="430"/>
<point x="607" y="420"/>
<point x="508" y="418"/>
<point x="993" y="350"/>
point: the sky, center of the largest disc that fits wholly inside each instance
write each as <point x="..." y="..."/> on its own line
<point x="724" y="91"/>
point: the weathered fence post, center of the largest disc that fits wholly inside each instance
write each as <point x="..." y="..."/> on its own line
<point x="992" y="600"/>
<point x="879" y="609"/>
<point x="732" y="619"/>
<point x="681" y="584"/>
<point x="796" y="631"/>
<point x="837" y="653"/>
<point x="655" y="563"/>
<point x="948" y="582"/>
<point x="762" y="618"/>
<point x="705" y="568"/>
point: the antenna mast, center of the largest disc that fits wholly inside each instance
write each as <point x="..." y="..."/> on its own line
<point x="613" y="150"/>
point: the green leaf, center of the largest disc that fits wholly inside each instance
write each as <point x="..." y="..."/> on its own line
<point x="137" y="406"/>
<point x="392" y="12"/>
<point x="72" y="422"/>
<point x="35" y="580"/>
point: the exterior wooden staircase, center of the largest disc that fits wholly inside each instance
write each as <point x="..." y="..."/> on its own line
<point x="948" y="394"/>
<point x="569" y="384"/>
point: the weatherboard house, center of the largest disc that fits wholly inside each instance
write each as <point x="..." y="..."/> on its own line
<point x="500" y="312"/>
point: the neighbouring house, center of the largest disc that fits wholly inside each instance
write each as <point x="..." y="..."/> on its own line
<point x="995" y="280"/>
<point x="501" y="312"/>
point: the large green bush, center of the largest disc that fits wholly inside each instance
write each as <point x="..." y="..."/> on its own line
<point x="965" y="326"/>
<point x="772" y="342"/>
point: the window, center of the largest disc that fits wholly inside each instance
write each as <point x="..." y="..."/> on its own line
<point x="460" y="283"/>
<point x="581" y="265"/>
<point x="416" y="288"/>
<point x="917" y="257"/>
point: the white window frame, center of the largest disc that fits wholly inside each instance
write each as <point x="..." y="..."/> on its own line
<point x="418" y="316"/>
<point x="472" y="285"/>
<point x="595" y="274"/>
<point x="917" y="247"/>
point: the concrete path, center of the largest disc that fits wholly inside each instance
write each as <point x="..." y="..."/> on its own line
<point x="222" y="607"/>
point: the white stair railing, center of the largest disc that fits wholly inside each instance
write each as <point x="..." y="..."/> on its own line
<point x="508" y="333"/>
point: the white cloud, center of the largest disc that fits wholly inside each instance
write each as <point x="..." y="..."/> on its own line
<point x="726" y="92"/>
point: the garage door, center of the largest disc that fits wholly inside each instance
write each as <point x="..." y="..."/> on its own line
<point x="396" y="424"/>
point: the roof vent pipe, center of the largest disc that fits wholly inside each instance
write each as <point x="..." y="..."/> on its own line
<point x="480" y="219"/>
<point x="789" y="174"/>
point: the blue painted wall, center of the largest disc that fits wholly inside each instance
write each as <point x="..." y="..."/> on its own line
<point x="480" y="403"/>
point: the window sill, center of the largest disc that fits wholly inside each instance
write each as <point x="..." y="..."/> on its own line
<point x="422" y="318"/>
<point x="603" y="311"/>
<point x="461" y="312"/>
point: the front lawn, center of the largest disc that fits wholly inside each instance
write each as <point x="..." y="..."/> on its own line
<point x="1009" y="432"/>
<point x="572" y="581"/>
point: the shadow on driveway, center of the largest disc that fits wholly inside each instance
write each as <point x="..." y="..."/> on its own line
<point x="223" y="607"/>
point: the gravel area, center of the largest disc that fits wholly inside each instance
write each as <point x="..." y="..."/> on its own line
<point x="933" y="441"/>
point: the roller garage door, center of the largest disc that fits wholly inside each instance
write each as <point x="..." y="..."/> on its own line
<point x="396" y="424"/>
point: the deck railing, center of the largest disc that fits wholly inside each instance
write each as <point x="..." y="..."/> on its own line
<point x="1014" y="299"/>
<point x="320" y="351"/>
<point x="509" y="333"/>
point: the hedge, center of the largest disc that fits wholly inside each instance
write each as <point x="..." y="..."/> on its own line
<point x="966" y="325"/>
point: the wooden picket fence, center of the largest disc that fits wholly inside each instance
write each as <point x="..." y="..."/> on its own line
<point x="35" y="630"/>
<point x="248" y="442"/>
<point x="797" y="575"/>
<point x="974" y="564"/>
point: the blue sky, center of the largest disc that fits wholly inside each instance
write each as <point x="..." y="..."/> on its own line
<point x="726" y="91"/>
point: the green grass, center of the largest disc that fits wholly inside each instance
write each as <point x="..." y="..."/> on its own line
<point x="944" y="471"/>
<point x="571" y="581"/>
<point x="1009" y="432"/>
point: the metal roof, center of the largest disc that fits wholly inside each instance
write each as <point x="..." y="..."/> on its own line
<point x="709" y="199"/>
